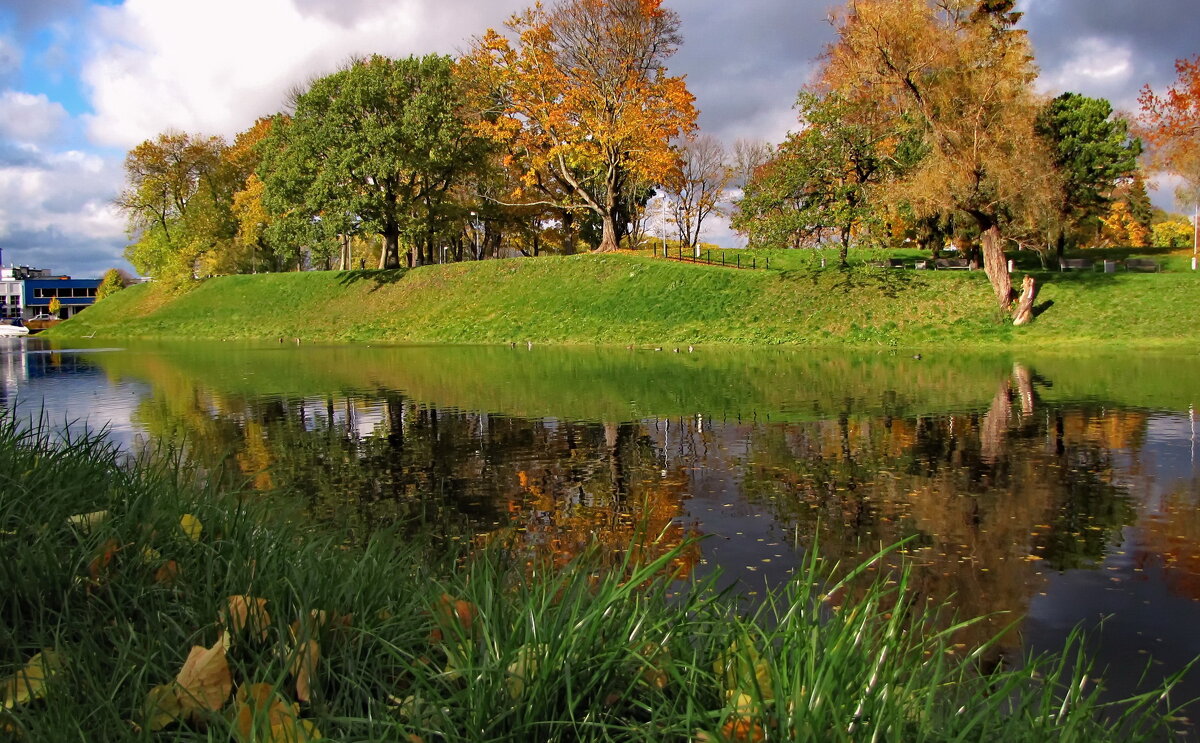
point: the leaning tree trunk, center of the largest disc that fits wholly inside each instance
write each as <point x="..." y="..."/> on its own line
<point x="996" y="267"/>
<point x="1024" y="313"/>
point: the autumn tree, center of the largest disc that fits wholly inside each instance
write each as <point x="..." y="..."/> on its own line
<point x="962" y="72"/>
<point x="1172" y="233"/>
<point x="111" y="283"/>
<point x="697" y="187"/>
<point x="821" y="181"/>
<point x="176" y="201"/>
<point x="372" y="148"/>
<point x="748" y="156"/>
<point x="580" y="97"/>
<point x="1093" y="152"/>
<point x="1171" y="123"/>
<point x="1122" y="228"/>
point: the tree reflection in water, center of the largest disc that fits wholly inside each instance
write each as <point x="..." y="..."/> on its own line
<point x="994" y="498"/>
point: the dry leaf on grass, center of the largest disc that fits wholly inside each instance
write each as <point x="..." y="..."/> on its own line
<point x="29" y="683"/>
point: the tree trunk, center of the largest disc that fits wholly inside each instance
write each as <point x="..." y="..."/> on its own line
<point x="391" y="248"/>
<point x="996" y="266"/>
<point x="568" y="226"/>
<point x="1024" y="313"/>
<point x="608" y="239"/>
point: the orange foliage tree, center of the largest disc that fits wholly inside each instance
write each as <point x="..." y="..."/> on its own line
<point x="1171" y="123"/>
<point x="582" y="100"/>
<point x="962" y="73"/>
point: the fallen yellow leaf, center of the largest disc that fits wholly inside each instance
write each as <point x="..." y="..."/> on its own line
<point x="85" y="522"/>
<point x="29" y="683"/>
<point x="246" y="613"/>
<point x="304" y="668"/>
<point x="294" y="730"/>
<point x="191" y="526"/>
<point x="260" y="708"/>
<point x="162" y="707"/>
<point x="204" y="683"/>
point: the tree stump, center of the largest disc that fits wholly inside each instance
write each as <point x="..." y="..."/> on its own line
<point x="1024" y="314"/>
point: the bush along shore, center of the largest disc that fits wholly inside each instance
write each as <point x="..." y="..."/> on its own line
<point x="620" y="299"/>
<point x="137" y="606"/>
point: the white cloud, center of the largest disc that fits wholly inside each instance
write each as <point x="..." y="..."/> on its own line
<point x="215" y="67"/>
<point x="1095" y="67"/>
<point x="26" y="118"/>
<point x="56" y="209"/>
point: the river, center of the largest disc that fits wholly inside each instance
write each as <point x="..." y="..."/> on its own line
<point x="1043" y="492"/>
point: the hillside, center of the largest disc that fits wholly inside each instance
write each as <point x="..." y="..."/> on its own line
<point x="622" y="299"/>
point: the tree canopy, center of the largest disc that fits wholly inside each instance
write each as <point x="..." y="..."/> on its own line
<point x="374" y="147"/>
<point x="580" y="97"/>
<point x="1092" y="150"/>
<point x="1171" y="122"/>
<point x="962" y="73"/>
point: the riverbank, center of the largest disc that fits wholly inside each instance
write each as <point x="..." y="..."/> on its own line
<point x="137" y="602"/>
<point x="625" y="299"/>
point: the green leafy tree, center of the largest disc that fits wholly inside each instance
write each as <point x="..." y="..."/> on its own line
<point x="819" y="183"/>
<point x="110" y="284"/>
<point x="1093" y="152"/>
<point x="372" y="148"/>
<point x="177" y="203"/>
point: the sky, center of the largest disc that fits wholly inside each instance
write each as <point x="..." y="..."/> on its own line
<point x="83" y="81"/>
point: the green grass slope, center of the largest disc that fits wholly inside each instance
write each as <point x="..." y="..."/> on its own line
<point x="623" y="299"/>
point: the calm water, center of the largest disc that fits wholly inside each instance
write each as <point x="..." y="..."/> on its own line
<point x="1046" y="492"/>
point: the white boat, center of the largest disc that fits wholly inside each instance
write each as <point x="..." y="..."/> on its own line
<point x="12" y="331"/>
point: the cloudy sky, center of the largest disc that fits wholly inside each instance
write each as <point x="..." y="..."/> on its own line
<point x="82" y="81"/>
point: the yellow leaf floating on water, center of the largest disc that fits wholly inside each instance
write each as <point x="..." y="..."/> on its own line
<point x="205" y="682"/>
<point x="29" y="683"/>
<point x="246" y="613"/>
<point x="85" y="522"/>
<point x="191" y="526"/>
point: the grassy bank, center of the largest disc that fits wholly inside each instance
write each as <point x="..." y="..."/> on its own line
<point x="623" y="299"/>
<point x="137" y="607"/>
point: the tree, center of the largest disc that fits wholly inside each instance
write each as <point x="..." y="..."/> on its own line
<point x="1122" y="228"/>
<point x="581" y="99"/>
<point x="111" y="283"/>
<point x="373" y="148"/>
<point x="1091" y="150"/>
<point x="55" y="306"/>
<point x="176" y="202"/>
<point x="697" y="187"/>
<point x="748" y="156"/>
<point x="820" y="182"/>
<point x="960" y="71"/>
<point x="1172" y="233"/>
<point x="1171" y="123"/>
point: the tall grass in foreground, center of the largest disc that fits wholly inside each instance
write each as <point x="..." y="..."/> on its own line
<point x="136" y="606"/>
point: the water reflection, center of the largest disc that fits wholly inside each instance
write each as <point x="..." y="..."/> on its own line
<point x="1037" y="493"/>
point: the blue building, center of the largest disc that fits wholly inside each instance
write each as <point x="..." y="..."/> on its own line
<point x="72" y="294"/>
